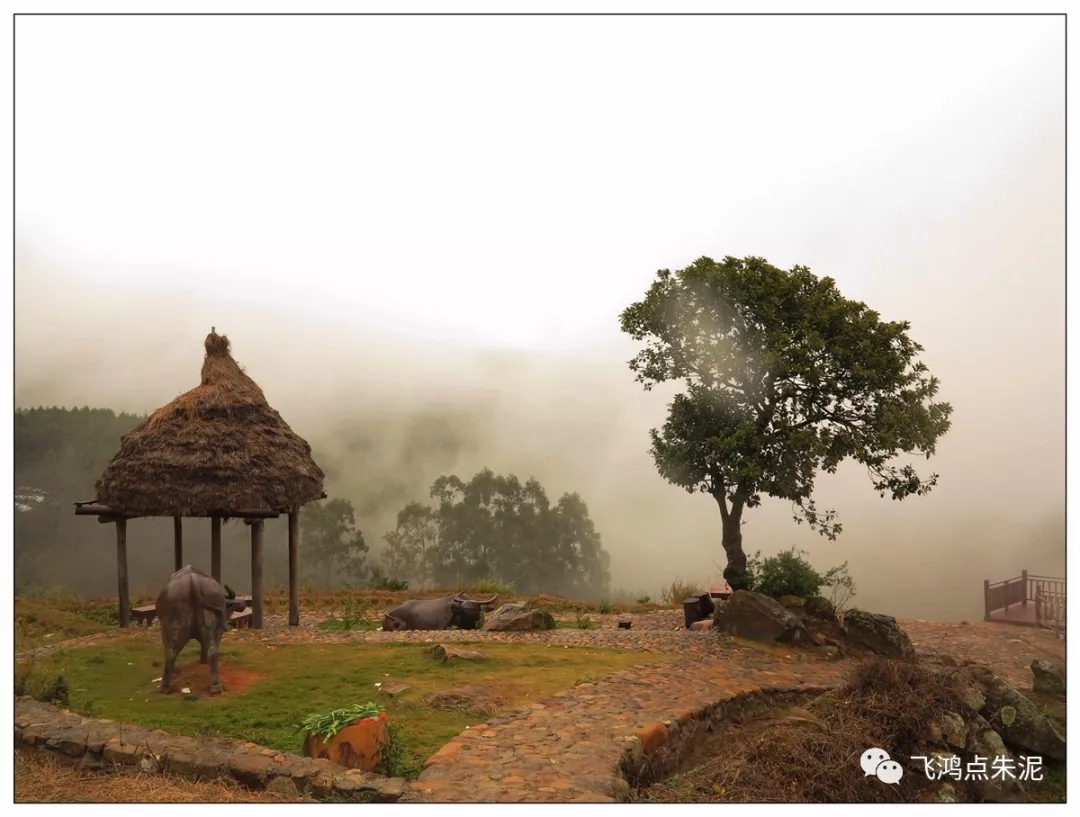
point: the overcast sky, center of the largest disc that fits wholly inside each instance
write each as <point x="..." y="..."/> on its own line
<point x="513" y="184"/>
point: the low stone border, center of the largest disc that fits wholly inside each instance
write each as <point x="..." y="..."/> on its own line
<point x="103" y="744"/>
<point x="661" y="746"/>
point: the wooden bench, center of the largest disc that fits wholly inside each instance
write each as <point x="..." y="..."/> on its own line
<point x="720" y="591"/>
<point x="144" y="615"/>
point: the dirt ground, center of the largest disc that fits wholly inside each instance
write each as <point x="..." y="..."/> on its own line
<point x="195" y="678"/>
<point x="41" y="779"/>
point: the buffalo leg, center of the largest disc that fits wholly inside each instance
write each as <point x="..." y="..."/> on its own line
<point x="215" y="679"/>
<point x="203" y="656"/>
<point x="170" y="666"/>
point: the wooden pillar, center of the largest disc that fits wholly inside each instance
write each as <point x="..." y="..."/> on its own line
<point x="1024" y="579"/>
<point x="215" y="548"/>
<point x="294" y="568"/>
<point x="178" y="542"/>
<point x="257" y="574"/>
<point x="122" y="571"/>
<point x="986" y="599"/>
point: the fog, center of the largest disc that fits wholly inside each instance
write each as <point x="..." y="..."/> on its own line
<point x="388" y="414"/>
<point x="422" y="291"/>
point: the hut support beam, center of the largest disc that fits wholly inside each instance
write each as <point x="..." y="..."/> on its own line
<point x="294" y="568"/>
<point x="178" y="542"/>
<point x="122" y="572"/>
<point x="215" y="548"/>
<point x="257" y="574"/>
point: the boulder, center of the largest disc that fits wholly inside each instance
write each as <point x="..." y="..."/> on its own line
<point x="792" y="601"/>
<point x="820" y="607"/>
<point x="1019" y="722"/>
<point x="1048" y="678"/>
<point x="516" y="617"/>
<point x="752" y="615"/>
<point x="879" y="632"/>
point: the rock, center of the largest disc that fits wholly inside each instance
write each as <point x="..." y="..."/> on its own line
<point x="820" y="607"/>
<point x="625" y="625"/>
<point x="879" y="632"/>
<point x="818" y="639"/>
<point x="249" y="770"/>
<point x="701" y="625"/>
<point x="953" y="730"/>
<point x="792" y="601"/>
<point x="1019" y="722"/>
<point x="475" y="700"/>
<point x="752" y="615"/>
<point x="283" y="787"/>
<point x="393" y="689"/>
<point x="515" y="617"/>
<point x="829" y="651"/>
<point x="1049" y="679"/>
<point x="946" y="794"/>
<point x="447" y="654"/>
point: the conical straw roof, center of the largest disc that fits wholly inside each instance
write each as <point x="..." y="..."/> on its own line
<point x="218" y="448"/>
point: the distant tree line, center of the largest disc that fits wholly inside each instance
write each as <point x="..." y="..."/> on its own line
<point x="498" y="528"/>
<point x="491" y="527"/>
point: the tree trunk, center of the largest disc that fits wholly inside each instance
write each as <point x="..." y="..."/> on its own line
<point x="735" y="572"/>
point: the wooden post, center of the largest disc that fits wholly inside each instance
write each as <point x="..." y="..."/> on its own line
<point x="257" y="574"/>
<point x="178" y="542"/>
<point x="986" y="599"/>
<point x="1023" y="578"/>
<point x="215" y="548"/>
<point x="294" y="568"/>
<point x="122" y="571"/>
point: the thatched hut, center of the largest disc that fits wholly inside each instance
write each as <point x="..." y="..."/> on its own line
<point x="218" y="451"/>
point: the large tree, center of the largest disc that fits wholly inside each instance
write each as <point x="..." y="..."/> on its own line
<point x="784" y="377"/>
<point x="331" y="542"/>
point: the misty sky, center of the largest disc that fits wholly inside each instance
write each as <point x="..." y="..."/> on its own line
<point x="400" y="217"/>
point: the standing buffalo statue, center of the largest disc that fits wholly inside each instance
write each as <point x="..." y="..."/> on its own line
<point x="192" y="605"/>
<point x="437" y="614"/>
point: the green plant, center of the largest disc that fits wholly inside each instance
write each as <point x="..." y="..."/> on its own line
<point x="353" y="614"/>
<point x="56" y="692"/>
<point x="393" y="755"/>
<point x="605" y="607"/>
<point x="644" y="599"/>
<point x="673" y="594"/>
<point x="789" y="574"/>
<point x="388" y="583"/>
<point x="324" y="725"/>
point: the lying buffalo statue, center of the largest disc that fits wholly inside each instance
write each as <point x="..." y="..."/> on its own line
<point x="192" y="605"/>
<point x="437" y="614"/>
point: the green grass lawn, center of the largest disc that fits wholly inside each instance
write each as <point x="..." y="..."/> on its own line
<point x="116" y="681"/>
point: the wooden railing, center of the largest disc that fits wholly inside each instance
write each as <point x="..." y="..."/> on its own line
<point x="1046" y="593"/>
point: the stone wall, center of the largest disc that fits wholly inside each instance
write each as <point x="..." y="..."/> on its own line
<point x="103" y="744"/>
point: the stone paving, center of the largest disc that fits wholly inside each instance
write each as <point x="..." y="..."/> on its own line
<point x="571" y="747"/>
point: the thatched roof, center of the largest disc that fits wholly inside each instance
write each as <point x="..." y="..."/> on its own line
<point x="218" y="448"/>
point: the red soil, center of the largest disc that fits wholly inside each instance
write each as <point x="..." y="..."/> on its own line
<point x="195" y="677"/>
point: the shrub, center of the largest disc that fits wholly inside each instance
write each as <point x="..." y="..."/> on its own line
<point x="673" y="594"/>
<point x="387" y="583"/>
<point x="789" y="574"/>
<point x="604" y="607"/>
<point x="644" y="599"/>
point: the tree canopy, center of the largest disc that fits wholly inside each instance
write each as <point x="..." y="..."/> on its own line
<point x="784" y="378"/>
